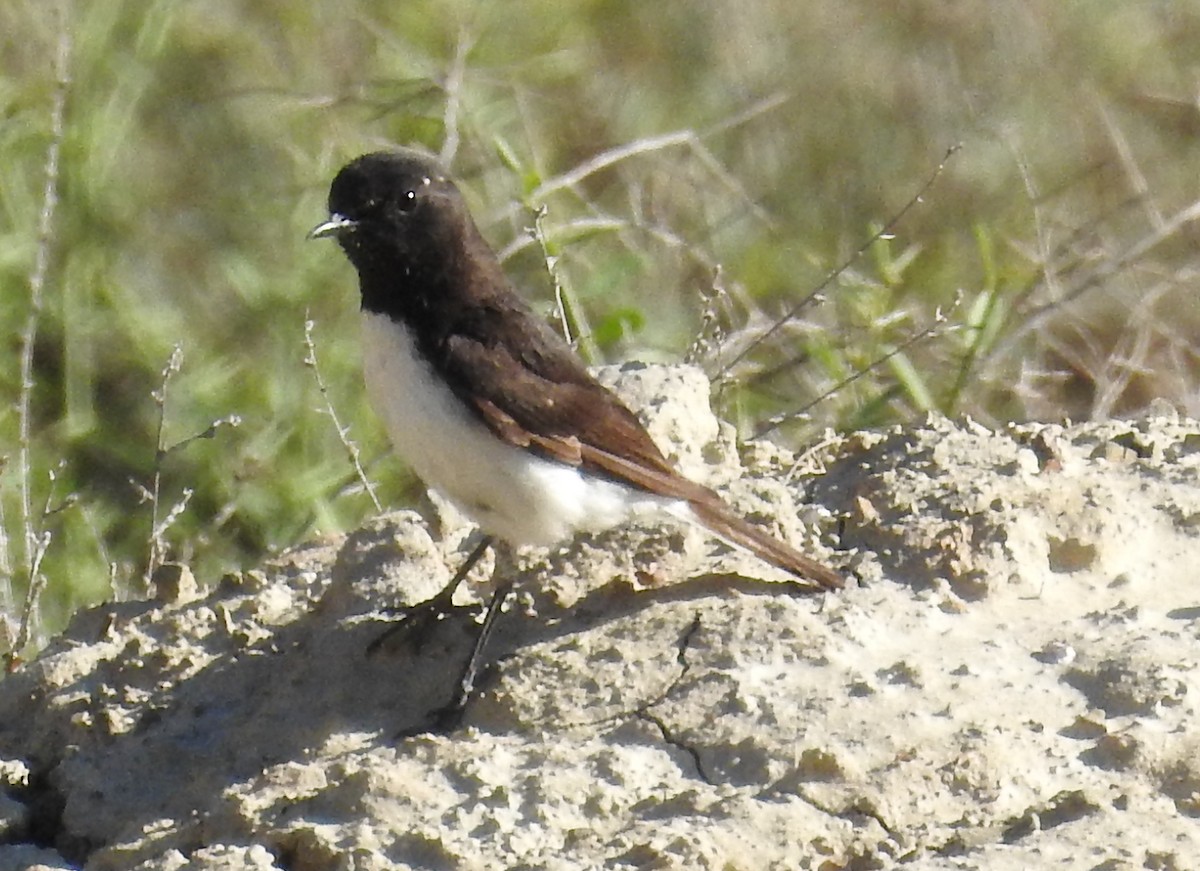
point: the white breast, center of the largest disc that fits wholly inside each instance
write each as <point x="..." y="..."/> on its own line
<point x="509" y="492"/>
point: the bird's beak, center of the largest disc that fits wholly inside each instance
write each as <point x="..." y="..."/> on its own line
<point x="335" y="226"/>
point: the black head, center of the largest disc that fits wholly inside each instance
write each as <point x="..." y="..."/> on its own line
<point x="395" y="211"/>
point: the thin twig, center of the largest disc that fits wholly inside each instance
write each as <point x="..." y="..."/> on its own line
<point x="606" y="159"/>
<point x="453" y="89"/>
<point x="538" y="233"/>
<point x="160" y="529"/>
<point x="648" y="144"/>
<point x="209" y="432"/>
<point x="1137" y="179"/>
<point x="310" y="360"/>
<point x="580" y="227"/>
<point x="6" y="569"/>
<point x="159" y="396"/>
<point x="1104" y="271"/>
<point x="35" y="543"/>
<point x="940" y="318"/>
<point x="572" y="319"/>
<point x="710" y="335"/>
<point x="160" y="525"/>
<point x="40" y="545"/>
<point x="884" y="232"/>
<point x="37" y="581"/>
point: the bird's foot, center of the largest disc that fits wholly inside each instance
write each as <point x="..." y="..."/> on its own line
<point x="416" y="625"/>
<point x="440" y="721"/>
<point x="448" y="717"/>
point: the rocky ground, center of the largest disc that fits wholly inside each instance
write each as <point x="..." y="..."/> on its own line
<point x="1009" y="680"/>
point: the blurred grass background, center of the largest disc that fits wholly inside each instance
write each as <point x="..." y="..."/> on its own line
<point x="747" y="149"/>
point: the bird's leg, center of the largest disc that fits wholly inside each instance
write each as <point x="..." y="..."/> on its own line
<point x="449" y="716"/>
<point x="421" y="618"/>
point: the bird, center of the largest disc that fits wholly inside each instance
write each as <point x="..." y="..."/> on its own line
<point x="482" y="399"/>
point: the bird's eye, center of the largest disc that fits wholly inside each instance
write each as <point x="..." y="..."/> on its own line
<point x="408" y="201"/>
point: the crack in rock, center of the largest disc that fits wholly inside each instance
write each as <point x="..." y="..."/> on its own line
<point x="645" y="713"/>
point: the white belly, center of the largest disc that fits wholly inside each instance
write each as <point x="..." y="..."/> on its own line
<point x="510" y="493"/>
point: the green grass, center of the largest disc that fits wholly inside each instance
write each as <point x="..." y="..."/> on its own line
<point x="767" y="139"/>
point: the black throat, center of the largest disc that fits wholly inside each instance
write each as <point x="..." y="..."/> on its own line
<point x="450" y="284"/>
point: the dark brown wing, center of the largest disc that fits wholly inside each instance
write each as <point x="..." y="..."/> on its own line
<point x="531" y="390"/>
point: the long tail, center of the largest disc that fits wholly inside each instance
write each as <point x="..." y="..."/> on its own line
<point x="720" y="520"/>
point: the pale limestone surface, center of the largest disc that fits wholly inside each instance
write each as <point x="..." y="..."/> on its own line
<point x="1009" y="680"/>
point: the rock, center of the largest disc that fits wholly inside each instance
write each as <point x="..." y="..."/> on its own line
<point x="653" y="699"/>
